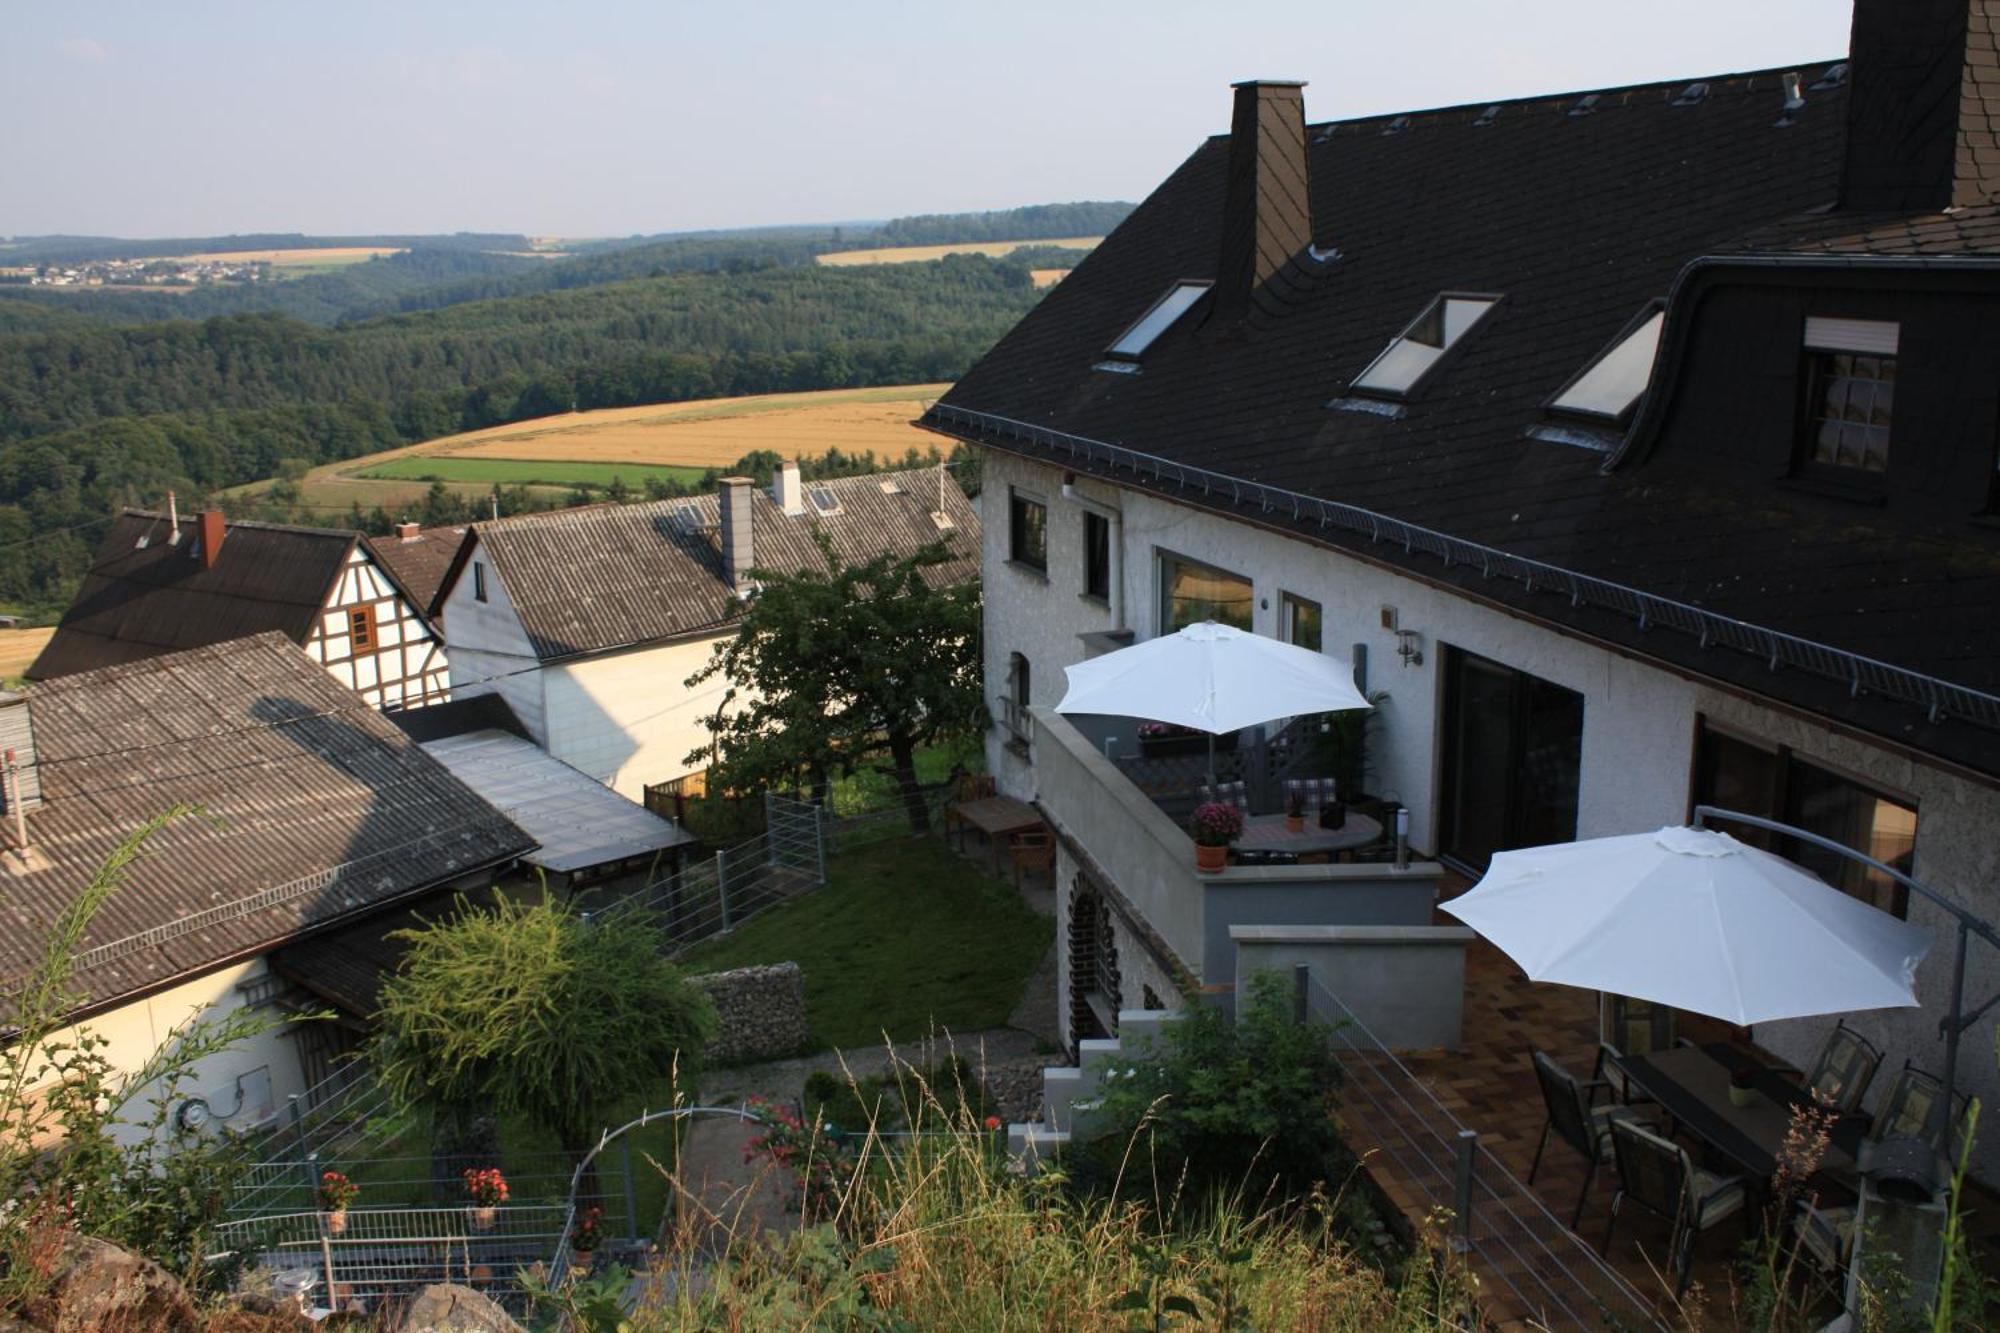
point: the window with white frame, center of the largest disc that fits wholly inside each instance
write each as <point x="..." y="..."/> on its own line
<point x="1610" y="386"/>
<point x="1402" y="365"/>
<point x="1180" y="299"/>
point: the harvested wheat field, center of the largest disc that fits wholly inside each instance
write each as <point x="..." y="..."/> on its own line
<point x="917" y="254"/>
<point x="326" y="257"/>
<point x="20" y="647"/>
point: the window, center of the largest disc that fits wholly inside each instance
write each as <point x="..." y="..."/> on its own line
<point x="1014" y="707"/>
<point x="1609" y="386"/>
<point x="1420" y="346"/>
<point x="361" y="625"/>
<point x="824" y="502"/>
<point x="1191" y="593"/>
<point x="1850" y="388"/>
<point x="1027" y="531"/>
<point x="1180" y="298"/>
<point x="1302" y="623"/>
<point x="1512" y="757"/>
<point x="478" y="581"/>
<point x="1096" y="556"/>
<point x="1771" y="781"/>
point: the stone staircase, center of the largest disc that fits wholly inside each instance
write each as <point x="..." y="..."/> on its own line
<point x="1070" y="1093"/>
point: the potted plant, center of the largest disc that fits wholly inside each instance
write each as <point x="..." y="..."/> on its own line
<point x="488" y="1189"/>
<point x="1743" y="1086"/>
<point x="585" y="1237"/>
<point x="1214" y="826"/>
<point x="1295" y="812"/>
<point x="336" y="1192"/>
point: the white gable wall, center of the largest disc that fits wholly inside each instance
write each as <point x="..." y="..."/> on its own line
<point x="406" y="668"/>
<point x="490" y="652"/>
<point x="629" y="719"/>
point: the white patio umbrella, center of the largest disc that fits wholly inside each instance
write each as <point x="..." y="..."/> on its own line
<point x="1695" y="919"/>
<point x="1212" y="678"/>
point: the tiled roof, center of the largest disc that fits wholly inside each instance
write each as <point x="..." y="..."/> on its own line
<point x="1577" y="211"/>
<point x="419" y="563"/>
<point x="1967" y="232"/>
<point x="145" y="595"/>
<point x="313" y="807"/>
<point x="608" y="576"/>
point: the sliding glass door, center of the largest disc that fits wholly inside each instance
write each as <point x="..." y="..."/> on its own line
<point x="1513" y="752"/>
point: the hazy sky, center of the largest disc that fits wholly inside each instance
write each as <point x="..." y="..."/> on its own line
<point x="191" y="117"/>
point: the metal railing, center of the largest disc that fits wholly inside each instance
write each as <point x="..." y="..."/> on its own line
<point x="1938" y="698"/>
<point x="1549" y="1273"/>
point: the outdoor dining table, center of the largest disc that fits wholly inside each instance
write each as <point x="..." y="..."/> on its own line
<point x="998" y="817"/>
<point x="1691" y="1084"/>
<point x="1267" y="833"/>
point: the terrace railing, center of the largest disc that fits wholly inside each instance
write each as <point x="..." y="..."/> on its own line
<point x="1528" y="1260"/>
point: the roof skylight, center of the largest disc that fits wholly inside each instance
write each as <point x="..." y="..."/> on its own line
<point x="1433" y="333"/>
<point x="1180" y="298"/>
<point x="823" y="500"/>
<point x="1610" y="385"/>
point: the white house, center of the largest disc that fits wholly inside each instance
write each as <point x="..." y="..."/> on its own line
<point x="590" y="621"/>
<point x="162" y="583"/>
<point x="1638" y="445"/>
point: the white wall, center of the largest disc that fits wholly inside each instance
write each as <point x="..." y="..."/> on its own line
<point x="265" y="1070"/>
<point x="629" y="719"/>
<point x="407" y="665"/>
<point x="489" y="650"/>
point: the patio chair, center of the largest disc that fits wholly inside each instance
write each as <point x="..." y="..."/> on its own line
<point x="1033" y="850"/>
<point x="1658" y="1175"/>
<point x="1576" y="1121"/>
<point x="1841" y="1072"/>
<point x="1383" y="848"/>
<point x="1228" y="793"/>
<point x="1906" y="1111"/>
<point x="1318" y="794"/>
<point x="1612" y="1075"/>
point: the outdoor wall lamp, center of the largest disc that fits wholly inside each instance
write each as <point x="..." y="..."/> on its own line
<point x="1410" y="647"/>
<point x="1069" y="487"/>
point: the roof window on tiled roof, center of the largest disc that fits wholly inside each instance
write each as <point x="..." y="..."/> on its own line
<point x="1180" y="299"/>
<point x="1609" y="386"/>
<point x="1405" y="361"/>
<point x="824" y="501"/>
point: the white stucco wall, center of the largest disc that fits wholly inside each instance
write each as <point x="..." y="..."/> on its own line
<point x="489" y="651"/>
<point x="629" y="719"/>
<point x="1638" y="731"/>
<point x="242" y="1086"/>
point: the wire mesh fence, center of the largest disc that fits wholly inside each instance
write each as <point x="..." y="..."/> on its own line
<point x="1530" y="1260"/>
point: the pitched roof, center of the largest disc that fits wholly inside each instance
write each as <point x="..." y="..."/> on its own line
<point x="420" y="562"/>
<point x="611" y="576"/>
<point x="146" y="594"/>
<point x="313" y="808"/>
<point x="1576" y="211"/>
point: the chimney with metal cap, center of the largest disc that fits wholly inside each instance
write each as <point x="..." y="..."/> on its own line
<point x="409" y="532"/>
<point x="787" y="491"/>
<point x="1267" y="204"/>
<point x="738" y="552"/>
<point x="212" y="530"/>
<point x="1923" y="112"/>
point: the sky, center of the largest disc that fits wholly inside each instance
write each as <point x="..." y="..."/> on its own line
<point x="599" y="118"/>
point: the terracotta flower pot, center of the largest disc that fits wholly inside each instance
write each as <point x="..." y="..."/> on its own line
<point x="336" y="1222"/>
<point x="483" y="1215"/>
<point x="1210" y="859"/>
<point x="1295" y="823"/>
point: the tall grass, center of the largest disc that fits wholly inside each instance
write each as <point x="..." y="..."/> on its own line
<point x="941" y="1232"/>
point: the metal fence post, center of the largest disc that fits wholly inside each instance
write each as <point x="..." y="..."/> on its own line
<point x="631" y="1194"/>
<point x="819" y="840"/>
<point x="722" y="884"/>
<point x="1461" y="1189"/>
<point x="1301" y="992"/>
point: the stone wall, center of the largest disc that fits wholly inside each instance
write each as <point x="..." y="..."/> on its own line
<point x="763" y="1013"/>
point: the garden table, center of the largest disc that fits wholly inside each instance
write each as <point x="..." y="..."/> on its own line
<point x="998" y="817"/>
<point x="1691" y="1084"/>
<point x="1267" y="833"/>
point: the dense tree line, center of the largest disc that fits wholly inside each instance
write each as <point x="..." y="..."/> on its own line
<point x="1035" y="222"/>
<point x="93" y="417"/>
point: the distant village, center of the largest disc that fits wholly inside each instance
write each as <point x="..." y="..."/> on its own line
<point x="193" y="272"/>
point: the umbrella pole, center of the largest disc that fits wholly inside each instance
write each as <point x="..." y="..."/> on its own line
<point x="1211" y="764"/>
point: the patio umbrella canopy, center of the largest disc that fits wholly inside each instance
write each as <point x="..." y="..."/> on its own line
<point x="1695" y="919"/>
<point x="1212" y="678"/>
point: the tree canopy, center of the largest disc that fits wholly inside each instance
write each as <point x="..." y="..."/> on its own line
<point x="831" y="667"/>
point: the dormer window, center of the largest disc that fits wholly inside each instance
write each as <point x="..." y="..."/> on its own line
<point x="1404" y="362"/>
<point x="1180" y="299"/>
<point x="1609" y="387"/>
<point x="1850" y="395"/>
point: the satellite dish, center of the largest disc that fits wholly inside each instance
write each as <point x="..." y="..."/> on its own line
<point x="192" y="1115"/>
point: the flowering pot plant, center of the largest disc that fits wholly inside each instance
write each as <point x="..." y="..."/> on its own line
<point x="588" y="1233"/>
<point x="818" y="1159"/>
<point x="1215" y="824"/>
<point x="486" y="1185"/>
<point x="336" y="1192"/>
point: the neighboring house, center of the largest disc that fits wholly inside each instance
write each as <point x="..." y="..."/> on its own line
<point x="161" y="584"/>
<point x="1639" y="444"/>
<point x="312" y="812"/>
<point x="418" y="558"/>
<point x="590" y="621"/>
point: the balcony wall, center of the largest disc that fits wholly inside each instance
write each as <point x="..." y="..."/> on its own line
<point x="1150" y="860"/>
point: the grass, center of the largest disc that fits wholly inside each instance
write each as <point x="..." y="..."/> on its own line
<point x="906" y="938"/>
<point x="871" y="789"/>
<point x="527" y="472"/>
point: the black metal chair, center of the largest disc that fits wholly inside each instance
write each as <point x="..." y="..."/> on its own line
<point x="1842" y="1070"/>
<point x="1658" y="1175"/>
<point x="1575" y="1120"/>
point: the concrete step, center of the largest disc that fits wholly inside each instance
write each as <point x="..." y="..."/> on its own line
<point x="1030" y="1145"/>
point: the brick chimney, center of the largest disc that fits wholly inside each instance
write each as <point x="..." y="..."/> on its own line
<point x="737" y="551"/>
<point x="409" y="532"/>
<point x="787" y="492"/>
<point x="210" y="530"/>
<point x="1267" y="207"/>
<point x="1923" y="116"/>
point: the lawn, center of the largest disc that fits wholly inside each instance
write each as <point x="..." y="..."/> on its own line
<point x="906" y="938"/>
<point x="526" y="472"/>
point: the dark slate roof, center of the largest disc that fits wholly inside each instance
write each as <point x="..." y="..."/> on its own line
<point x="611" y="576"/>
<point x="314" y="808"/>
<point x="419" y="563"/>
<point x="1970" y="232"/>
<point x="145" y="595"/>
<point x="1577" y="210"/>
